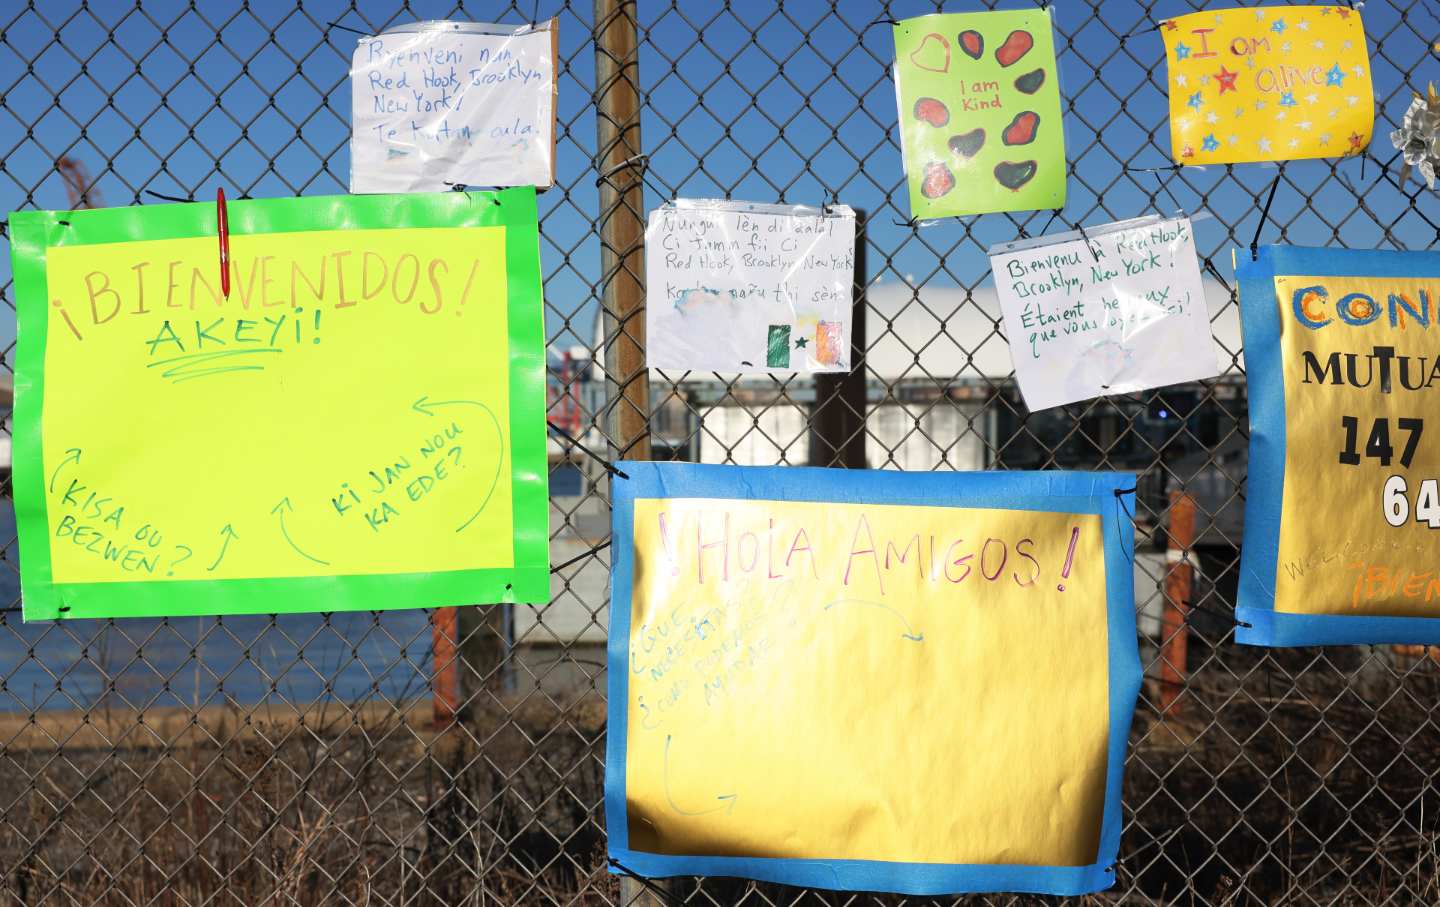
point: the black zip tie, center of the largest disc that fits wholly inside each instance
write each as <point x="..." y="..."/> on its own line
<point x="1165" y="187"/>
<point x="912" y="223"/>
<point x="11" y="610"/>
<point x="1265" y="215"/>
<point x="1140" y="31"/>
<point x="884" y="19"/>
<point x="1053" y="214"/>
<point x="356" y="31"/>
<point x="639" y="160"/>
<point x="168" y="198"/>
<point x="580" y="557"/>
<point x="650" y="886"/>
<point x="609" y="467"/>
<point x="1119" y="537"/>
<point x="1153" y="169"/>
<point x="1216" y="614"/>
<point x="1089" y="247"/>
<point x="465" y="187"/>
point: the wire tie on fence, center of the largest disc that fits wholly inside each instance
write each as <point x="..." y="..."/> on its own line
<point x="1119" y="537"/>
<point x="1216" y="614"/>
<point x="609" y="467"/>
<point x="1053" y="214"/>
<point x="581" y="556"/>
<point x="1085" y="237"/>
<point x="465" y="188"/>
<point x="168" y="198"/>
<point x="1265" y="215"/>
<point x="354" y="31"/>
<point x="650" y="886"/>
<point x="639" y="160"/>
<point x="913" y="223"/>
<point x="883" y="19"/>
<point x="1139" y="31"/>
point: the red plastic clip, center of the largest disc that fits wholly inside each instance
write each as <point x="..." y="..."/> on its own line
<point x="224" y="229"/>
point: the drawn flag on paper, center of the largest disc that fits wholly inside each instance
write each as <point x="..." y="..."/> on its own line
<point x="979" y="104"/>
<point x="441" y="104"/>
<point x="1268" y="83"/>
<point x="1123" y="313"/>
<point x="750" y="288"/>
<point x="786" y="581"/>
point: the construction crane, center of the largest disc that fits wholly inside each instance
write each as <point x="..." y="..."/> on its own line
<point x="78" y="187"/>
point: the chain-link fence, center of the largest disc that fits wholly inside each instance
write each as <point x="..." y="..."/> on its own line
<point x="298" y="760"/>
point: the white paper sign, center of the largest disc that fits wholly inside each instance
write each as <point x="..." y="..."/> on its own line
<point x="438" y="104"/>
<point x="1120" y="313"/>
<point x="750" y="288"/>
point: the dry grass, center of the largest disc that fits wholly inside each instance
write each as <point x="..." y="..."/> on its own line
<point x="1291" y="777"/>
<point x="323" y="806"/>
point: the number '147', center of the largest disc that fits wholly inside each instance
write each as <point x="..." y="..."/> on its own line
<point x="1378" y="446"/>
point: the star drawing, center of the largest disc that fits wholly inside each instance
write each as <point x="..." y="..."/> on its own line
<point x="1335" y="76"/>
<point x="1182" y="52"/>
<point x="1226" y="78"/>
<point x="1210" y="144"/>
<point x="1195" y="101"/>
<point x="1287" y="99"/>
<point x="1279" y="27"/>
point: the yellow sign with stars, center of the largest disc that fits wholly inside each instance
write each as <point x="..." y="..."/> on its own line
<point x="1268" y="84"/>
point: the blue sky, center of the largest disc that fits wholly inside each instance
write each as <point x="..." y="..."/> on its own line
<point x="748" y="102"/>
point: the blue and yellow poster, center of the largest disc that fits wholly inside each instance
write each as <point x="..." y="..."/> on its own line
<point x="1342" y="514"/>
<point x="848" y="680"/>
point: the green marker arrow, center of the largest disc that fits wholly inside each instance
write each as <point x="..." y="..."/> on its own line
<point x="426" y="406"/>
<point x="282" y="508"/>
<point x="227" y="533"/>
<point x="71" y="456"/>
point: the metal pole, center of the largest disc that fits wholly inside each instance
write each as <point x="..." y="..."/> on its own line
<point x="622" y="224"/>
<point x="622" y="252"/>
<point x="837" y="419"/>
<point x="1175" y="638"/>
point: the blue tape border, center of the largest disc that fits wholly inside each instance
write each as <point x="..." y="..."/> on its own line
<point x="1265" y="484"/>
<point x="1093" y="493"/>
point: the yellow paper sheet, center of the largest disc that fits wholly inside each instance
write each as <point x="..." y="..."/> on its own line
<point x="1338" y="554"/>
<point x="848" y="681"/>
<point x="251" y="436"/>
<point x="1268" y="83"/>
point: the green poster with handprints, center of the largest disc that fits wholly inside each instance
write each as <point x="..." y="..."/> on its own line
<point x="355" y="422"/>
<point x="980" y="126"/>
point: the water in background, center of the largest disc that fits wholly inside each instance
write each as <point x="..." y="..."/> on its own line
<point x="205" y="661"/>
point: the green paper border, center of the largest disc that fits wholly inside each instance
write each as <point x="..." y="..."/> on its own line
<point x="32" y="232"/>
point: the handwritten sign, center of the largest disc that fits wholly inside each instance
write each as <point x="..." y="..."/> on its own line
<point x="1268" y="84"/>
<point x="358" y="426"/>
<point x="440" y="104"/>
<point x="979" y="104"/>
<point x="1117" y="310"/>
<point x="742" y="287"/>
<point x="1342" y="512"/>
<point x="777" y="634"/>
